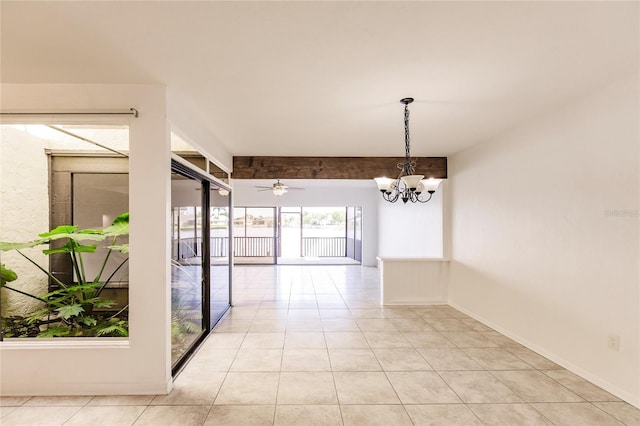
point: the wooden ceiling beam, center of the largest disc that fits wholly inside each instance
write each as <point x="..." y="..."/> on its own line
<point x="332" y="167"/>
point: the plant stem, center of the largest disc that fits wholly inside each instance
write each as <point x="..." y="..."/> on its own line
<point x="110" y="276"/>
<point x="57" y="281"/>
<point x="26" y="294"/>
<point x="74" y="261"/>
<point x="120" y="311"/>
<point x="83" y="277"/>
<point x="104" y="264"/>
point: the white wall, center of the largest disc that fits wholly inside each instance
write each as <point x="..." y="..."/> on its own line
<point x="545" y="236"/>
<point x="411" y="230"/>
<point x="325" y="193"/>
<point x="24" y="213"/>
<point x="142" y="363"/>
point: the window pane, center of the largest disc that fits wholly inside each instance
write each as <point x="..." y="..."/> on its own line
<point x="254" y="229"/>
<point x="72" y="180"/>
<point x="323" y="232"/>
<point x="239" y="221"/>
<point x="187" y="296"/>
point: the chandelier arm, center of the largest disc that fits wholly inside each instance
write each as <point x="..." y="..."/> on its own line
<point x="391" y="197"/>
<point x="424" y="201"/>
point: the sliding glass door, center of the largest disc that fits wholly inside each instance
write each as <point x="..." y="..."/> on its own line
<point x="200" y="259"/>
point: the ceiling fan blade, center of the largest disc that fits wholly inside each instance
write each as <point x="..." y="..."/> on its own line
<point x="262" y="190"/>
<point x="263" y="187"/>
<point x="294" y="187"/>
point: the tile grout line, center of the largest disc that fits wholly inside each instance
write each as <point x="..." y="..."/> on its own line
<point x="333" y="379"/>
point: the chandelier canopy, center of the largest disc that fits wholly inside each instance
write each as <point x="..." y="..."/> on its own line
<point x="408" y="186"/>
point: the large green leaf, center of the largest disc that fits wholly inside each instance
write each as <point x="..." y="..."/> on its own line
<point x="72" y="289"/>
<point x="58" y="233"/>
<point x="79" y="237"/>
<point x="59" y="230"/>
<point x="68" y="311"/>
<point x="71" y="246"/>
<point x="120" y="226"/>
<point x="122" y="248"/>
<point x="68" y="231"/>
<point x="91" y="231"/>
<point x="6" y="275"/>
<point x="6" y="246"/>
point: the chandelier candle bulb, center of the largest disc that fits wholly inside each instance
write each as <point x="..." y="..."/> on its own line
<point x="412" y="181"/>
<point x="384" y="183"/>
<point x="431" y="184"/>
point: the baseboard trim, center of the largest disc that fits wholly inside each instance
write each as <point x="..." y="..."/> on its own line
<point x="418" y="302"/>
<point x="593" y="378"/>
<point x="84" y="389"/>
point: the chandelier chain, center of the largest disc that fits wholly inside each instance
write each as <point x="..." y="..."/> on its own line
<point x="408" y="167"/>
<point x="407" y="141"/>
<point x="406" y="132"/>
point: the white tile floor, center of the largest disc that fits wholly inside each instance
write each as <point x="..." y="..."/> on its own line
<point x="309" y="345"/>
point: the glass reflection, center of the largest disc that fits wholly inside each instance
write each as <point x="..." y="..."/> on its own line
<point x="186" y="264"/>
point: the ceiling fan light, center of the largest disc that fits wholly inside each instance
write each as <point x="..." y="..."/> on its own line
<point x="279" y="190"/>
<point x="223" y="192"/>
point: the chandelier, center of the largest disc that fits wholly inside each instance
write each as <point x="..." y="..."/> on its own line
<point x="408" y="186"/>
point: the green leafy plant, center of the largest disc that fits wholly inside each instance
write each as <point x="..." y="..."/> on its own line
<point x="72" y="309"/>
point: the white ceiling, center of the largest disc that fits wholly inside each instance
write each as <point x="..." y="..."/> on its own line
<point x="325" y="78"/>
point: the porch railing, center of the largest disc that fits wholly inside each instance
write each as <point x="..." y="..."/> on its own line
<point x="253" y="246"/>
<point x="258" y="247"/>
<point x="324" y="246"/>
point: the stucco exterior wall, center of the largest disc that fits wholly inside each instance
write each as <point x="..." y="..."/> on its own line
<point x="24" y="213"/>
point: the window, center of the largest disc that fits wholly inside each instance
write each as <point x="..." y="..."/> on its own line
<point x="64" y="230"/>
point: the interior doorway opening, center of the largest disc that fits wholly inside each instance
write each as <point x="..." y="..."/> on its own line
<point x="290" y="233"/>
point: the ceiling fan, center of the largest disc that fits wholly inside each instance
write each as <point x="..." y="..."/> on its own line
<point x="278" y="188"/>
